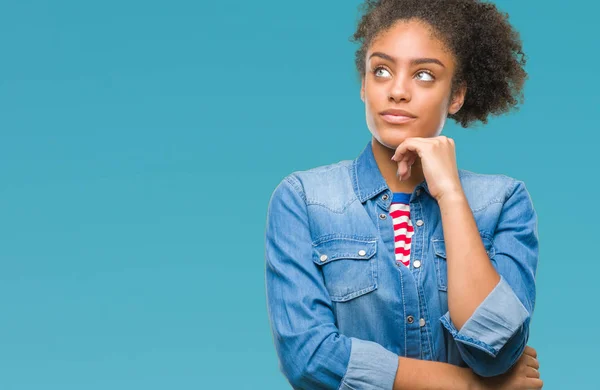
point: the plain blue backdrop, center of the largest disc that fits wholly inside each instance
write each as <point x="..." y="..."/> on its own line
<point x="140" y="142"/>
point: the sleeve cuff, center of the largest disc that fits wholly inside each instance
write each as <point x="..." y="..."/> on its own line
<point x="371" y="367"/>
<point x="493" y="323"/>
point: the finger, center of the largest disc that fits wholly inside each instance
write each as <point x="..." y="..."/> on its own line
<point x="404" y="166"/>
<point x="399" y="154"/>
<point x="530" y="351"/>
<point x="400" y="172"/>
<point x="404" y="169"/>
<point x="534" y="383"/>
<point x="412" y="159"/>
<point x="406" y="175"/>
<point x="401" y="166"/>
<point x="401" y="169"/>
<point x="530" y="361"/>
<point x="531" y="372"/>
<point x="409" y="144"/>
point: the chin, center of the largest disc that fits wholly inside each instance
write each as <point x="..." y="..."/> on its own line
<point x="390" y="141"/>
<point x="392" y="137"/>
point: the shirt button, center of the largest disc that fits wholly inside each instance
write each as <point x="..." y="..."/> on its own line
<point x="382" y="216"/>
<point x="384" y="197"/>
<point x="323" y="257"/>
<point x="420" y="222"/>
<point x="410" y="319"/>
<point x="422" y="322"/>
<point x="416" y="263"/>
<point x="362" y="252"/>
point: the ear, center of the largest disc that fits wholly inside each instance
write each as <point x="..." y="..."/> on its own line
<point x="458" y="99"/>
<point x="362" y="89"/>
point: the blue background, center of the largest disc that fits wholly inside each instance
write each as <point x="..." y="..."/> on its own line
<point x="140" y="142"/>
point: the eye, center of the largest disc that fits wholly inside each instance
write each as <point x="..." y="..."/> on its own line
<point x="426" y="73"/>
<point x="379" y="68"/>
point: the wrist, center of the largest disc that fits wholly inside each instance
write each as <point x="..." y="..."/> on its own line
<point x="474" y="381"/>
<point x="452" y="198"/>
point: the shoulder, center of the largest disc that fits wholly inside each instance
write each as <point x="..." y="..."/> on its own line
<point x="324" y="184"/>
<point x="318" y="178"/>
<point x="322" y="172"/>
<point x="483" y="189"/>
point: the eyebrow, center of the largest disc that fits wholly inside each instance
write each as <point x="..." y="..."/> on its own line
<point x="415" y="61"/>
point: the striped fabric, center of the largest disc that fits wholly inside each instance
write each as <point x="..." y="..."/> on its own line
<point x="403" y="228"/>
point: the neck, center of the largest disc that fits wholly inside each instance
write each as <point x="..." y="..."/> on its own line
<point x="389" y="169"/>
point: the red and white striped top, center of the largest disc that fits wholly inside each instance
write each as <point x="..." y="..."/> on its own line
<point x="403" y="228"/>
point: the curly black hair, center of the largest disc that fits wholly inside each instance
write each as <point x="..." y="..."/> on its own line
<point x="488" y="50"/>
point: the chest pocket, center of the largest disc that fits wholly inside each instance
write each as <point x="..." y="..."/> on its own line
<point x="441" y="268"/>
<point x="349" y="266"/>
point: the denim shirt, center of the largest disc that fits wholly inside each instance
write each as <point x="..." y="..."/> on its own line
<point x="340" y="308"/>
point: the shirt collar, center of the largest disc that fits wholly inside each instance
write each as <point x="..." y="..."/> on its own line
<point x="367" y="179"/>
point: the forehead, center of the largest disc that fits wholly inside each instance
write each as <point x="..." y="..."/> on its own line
<point x="407" y="39"/>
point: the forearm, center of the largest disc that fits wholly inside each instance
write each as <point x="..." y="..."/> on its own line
<point x="471" y="275"/>
<point x="416" y="374"/>
<point x="490" y="296"/>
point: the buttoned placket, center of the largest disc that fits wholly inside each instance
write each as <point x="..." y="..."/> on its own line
<point x="417" y="338"/>
<point x="419" y="223"/>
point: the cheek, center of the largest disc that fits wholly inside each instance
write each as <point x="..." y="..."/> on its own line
<point x="375" y="98"/>
<point x="435" y="106"/>
<point x="431" y="115"/>
<point x="371" y="105"/>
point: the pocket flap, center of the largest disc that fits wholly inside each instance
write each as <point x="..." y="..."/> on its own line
<point x="439" y="247"/>
<point x="344" y="248"/>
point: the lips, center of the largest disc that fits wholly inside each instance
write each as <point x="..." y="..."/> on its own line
<point x="398" y="112"/>
<point x="397" y="116"/>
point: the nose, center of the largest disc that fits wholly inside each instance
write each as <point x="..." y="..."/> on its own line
<point x="399" y="89"/>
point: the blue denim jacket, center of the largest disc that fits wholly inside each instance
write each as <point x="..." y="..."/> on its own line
<point x="341" y="310"/>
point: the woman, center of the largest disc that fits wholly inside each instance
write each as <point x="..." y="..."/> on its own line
<point x="397" y="270"/>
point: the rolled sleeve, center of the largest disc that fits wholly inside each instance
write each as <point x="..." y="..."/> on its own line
<point x="312" y="353"/>
<point x="493" y="323"/>
<point x="494" y="337"/>
<point x="371" y="367"/>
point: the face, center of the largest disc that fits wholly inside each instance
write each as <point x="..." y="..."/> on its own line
<point x="406" y="88"/>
